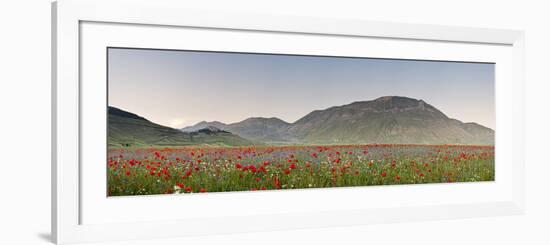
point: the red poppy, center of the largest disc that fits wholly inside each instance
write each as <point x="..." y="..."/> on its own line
<point x="277" y="183"/>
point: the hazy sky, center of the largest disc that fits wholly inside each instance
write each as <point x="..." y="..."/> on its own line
<point x="181" y="88"/>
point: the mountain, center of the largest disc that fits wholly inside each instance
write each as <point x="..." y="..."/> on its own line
<point x="269" y="130"/>
<point x="389" y="119"/>
<point x="204" y="124"/>
<point x="126" y="129"/>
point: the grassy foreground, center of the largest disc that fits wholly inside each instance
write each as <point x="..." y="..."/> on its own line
<point x="143" y="171"/>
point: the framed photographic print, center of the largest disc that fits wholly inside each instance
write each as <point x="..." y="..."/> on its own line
<point x="190" y="122"/>
<point x="278" y="121"/>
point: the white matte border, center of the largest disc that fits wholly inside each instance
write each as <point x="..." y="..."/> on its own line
<point x="99" y="209"/>
<point x="66" y="17"/>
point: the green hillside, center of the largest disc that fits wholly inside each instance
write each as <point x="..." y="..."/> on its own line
<point x="126" y="129"/>
<point x="389" y="120"/>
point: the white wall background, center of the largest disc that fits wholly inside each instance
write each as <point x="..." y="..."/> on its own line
<point x="25" y="122"/>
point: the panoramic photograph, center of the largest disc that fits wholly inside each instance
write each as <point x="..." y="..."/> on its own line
<point x="195" y="122"/>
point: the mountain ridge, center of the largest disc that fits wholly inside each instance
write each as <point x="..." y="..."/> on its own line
<point x="387" y="119"/>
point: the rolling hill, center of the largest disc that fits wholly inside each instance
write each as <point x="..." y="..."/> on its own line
<point x="126" y="129"/>
<point x="270" y="130"/>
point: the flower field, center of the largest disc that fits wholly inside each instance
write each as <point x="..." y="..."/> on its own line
<point x="144" y="171"/>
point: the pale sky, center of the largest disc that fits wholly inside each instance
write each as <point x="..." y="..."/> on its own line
<point x="182" y="88"/>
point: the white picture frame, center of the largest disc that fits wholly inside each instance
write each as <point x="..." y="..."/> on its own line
<point x="68" y="17"/>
